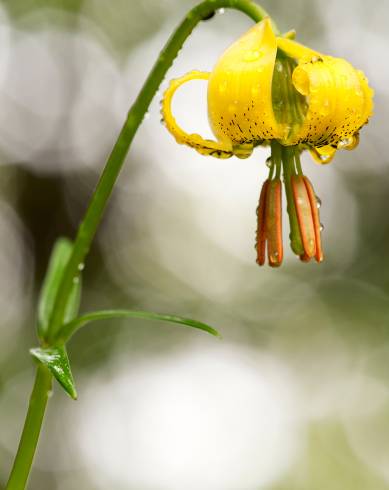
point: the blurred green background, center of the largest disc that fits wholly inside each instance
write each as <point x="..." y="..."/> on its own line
<point x="296" y="395"/>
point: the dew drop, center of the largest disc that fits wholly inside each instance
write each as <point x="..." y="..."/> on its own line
<point x="268" y="162"/>
<point x="76" y="280"/>
<point x="325" y="108"/>
<point x="255" y="90"/>
<point x="81" y="266"/>
<point x="325" y="158"/>
<point x="321" y="227"/>
<point x="221" y="11"/>
<point x="318" y="202"/>
<point x="147" y="115"/>
<point x="279" y="66"/>
<point x="223" y="86"/>
<point x="252" y="55"/>
<point x="243" y="150"/>
<point x="344" y="142"/>
<point x="349" y="143"/>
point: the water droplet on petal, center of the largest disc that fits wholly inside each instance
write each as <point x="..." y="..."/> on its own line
<point x="318" y="202"/>
<point x="255" y="90"/>
<point x="223" y="86"/>
<point x="324" y="108"/>
<point x="279" y="66"/>
<point x="243" y="150"/>
<point x="321" y="227"/>
<point x="325" y="158"/>
<point x="252" y="55"/>
<point x="349" y="143"/>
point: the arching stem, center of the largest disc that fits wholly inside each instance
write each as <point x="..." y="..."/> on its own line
<point x="94" y="213"/>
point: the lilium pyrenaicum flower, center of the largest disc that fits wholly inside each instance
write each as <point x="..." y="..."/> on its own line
<point x="269" y="90"/>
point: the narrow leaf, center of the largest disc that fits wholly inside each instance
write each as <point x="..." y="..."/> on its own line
<point x="70" y="328"/>
<point x="56" y="359"/>
<point x="57" y="264"/>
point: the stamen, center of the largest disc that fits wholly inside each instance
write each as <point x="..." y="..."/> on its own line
<point x="288" y="159"/>
<point x="304" y="215"/>
<point x="261" y="225"/>
<point x="273" y="223"/>
<point x="316" y="219"/>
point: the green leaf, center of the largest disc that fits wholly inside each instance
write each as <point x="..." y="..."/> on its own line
<point x="57" y="264"/>
<point x="56" y="359"/>
<point x="70" y="328"/>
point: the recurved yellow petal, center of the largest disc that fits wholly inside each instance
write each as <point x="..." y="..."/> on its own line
<point x="339" y="98"/>
<point x="239" y="89"/>
<point x="340" y="101"/>
<point x="203" y="146"/>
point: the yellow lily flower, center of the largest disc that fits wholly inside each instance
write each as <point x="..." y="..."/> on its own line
<point x="265" y="90"/>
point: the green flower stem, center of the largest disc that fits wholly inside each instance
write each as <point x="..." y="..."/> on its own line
<point x="94" y="214"/>
<point x="31" y="430"/>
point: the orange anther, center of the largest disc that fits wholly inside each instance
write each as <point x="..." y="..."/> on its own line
<point x="304" y="215"/>
<point x="261" y="226"/>
<point x="273" y="219"/>
<point x="316" y="219"/>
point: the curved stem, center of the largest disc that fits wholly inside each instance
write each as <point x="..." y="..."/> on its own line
<point x="31" y="430"/>
<point x="94" y="213"/>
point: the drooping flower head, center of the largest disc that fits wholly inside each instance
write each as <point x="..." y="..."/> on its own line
<point x="266" y="90"/>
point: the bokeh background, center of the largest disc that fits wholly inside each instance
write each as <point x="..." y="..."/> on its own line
<point x="296" y="395"/>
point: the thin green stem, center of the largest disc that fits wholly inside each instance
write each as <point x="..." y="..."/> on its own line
<point x="276" y="157"/>
<point x="94" y="213"/>
<point x="31" y="430"/>
<point x="298" y="161"/>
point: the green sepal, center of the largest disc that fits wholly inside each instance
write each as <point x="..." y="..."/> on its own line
<point x="57" y="264"/>
<point x="56" y="359"/>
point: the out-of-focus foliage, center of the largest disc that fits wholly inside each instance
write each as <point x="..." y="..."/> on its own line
<point x="296" y="395"/>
